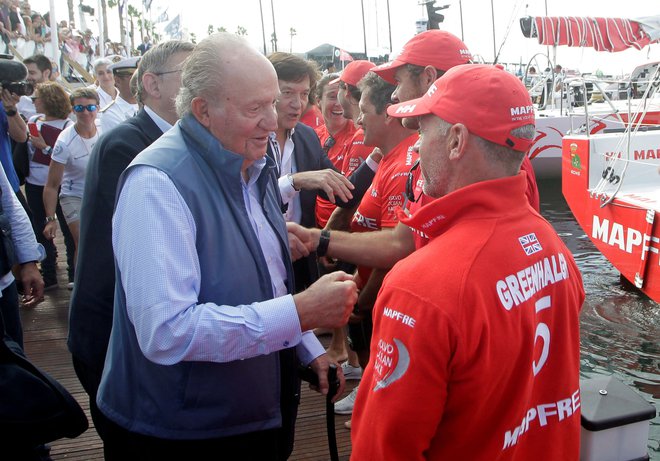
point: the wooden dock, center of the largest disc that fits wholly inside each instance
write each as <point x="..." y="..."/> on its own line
<point x="45" y="344"/>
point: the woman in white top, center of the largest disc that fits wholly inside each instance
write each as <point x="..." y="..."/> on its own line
<point x="51" y="100"/>
<point x="105" y="82"/>
<point x="69" y="162"/>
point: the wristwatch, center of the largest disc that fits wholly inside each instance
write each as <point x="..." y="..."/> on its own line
<point x="293" y="184"/>
<point x="51" y="218"/>
<point x="11" y="112"/>
<point x="48" y="150"/>
<point x="324" y="241"/>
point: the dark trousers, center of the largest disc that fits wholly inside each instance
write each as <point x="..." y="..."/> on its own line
<point x="121" y="445"/>
<point x="34" y="195"/>
<point x="90" y="378"/>
<point x="11" y="315"/>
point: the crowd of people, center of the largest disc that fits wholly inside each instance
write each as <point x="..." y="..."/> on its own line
<point x="213" y="236"/>
<point x="29" y="33"/>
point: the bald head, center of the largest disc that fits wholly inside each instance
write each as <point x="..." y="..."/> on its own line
<point x="217" y="65"/>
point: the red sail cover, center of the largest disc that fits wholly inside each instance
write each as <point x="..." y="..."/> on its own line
<point x="603" y="34"/>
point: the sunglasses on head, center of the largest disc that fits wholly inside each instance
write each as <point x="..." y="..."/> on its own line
<point x="81" y="108"/>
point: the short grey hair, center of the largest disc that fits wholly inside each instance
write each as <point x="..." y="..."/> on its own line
<point x="498" y="152"/>
<point x="156" y="60"/>
<point x="101" y="62"/>
<point x="203" y="71"/>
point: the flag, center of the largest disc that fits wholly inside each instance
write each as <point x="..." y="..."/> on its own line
<point x="162" y="18"/>
<point x="344" y="56"/>
<point x="173" y="29"/>
<point x="530" y="244"/>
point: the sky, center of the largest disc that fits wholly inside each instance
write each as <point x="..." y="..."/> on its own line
<point x="339" y="22"/>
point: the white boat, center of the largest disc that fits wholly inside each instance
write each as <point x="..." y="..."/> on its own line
<point x="576" y="110"/>
<point x="611" y="182"/>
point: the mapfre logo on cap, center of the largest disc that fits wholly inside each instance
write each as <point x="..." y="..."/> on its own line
<point x="522" y="112"/>
<point x="465" y="53"/>
<point x="432" y="89"/>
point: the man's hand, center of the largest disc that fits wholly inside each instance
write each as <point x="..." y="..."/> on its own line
<point x="9" y="100"/>
<point x="297" y="247"/>
<point x="328" y="302"/>
<point x="33" y="284"/>
<point x="331" y="182"/>
<point x="307" y="237"/>
<point x="320" y="366"/>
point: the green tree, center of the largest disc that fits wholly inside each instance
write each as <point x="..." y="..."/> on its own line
<point x="211" y="29"/>
<point x="240" y="30"/>
<point x="222" y="29"/>
<point x="132" y="14"/>
<point x="120" y="11"/>
<point x="193" y="38"/>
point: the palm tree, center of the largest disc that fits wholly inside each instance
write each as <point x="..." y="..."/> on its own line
<point x="69" y="4"/>
<point x="292" y="32"/>
<point x="240" y="30"/>
<point x="104" y="8"/>
<point x="133" y="13"/>
<point x="120" y="9"/>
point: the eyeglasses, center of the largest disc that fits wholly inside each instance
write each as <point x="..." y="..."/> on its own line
<point x="328" y="144"/>
<point x="410" y="189"/>
<point x="80" y="108"/>
<point x="34" y="98"/>
<point x="166" y="72"/>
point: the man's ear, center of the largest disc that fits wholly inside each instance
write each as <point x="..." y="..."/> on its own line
<point x="200" y="109"/>
<point x="457" y="139"/>
<point x="428" y="76"/>
<point x="151" y="84"/>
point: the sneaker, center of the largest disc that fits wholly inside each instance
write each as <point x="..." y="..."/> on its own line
<point x="351" y="372"/>
<point x="345" y="405"/>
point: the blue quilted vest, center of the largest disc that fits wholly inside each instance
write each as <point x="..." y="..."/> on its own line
<point x="200" y="400"/>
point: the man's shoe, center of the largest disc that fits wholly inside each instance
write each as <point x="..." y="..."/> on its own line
<point x="345" y="405"/>
<point x="50" y="285"/>
<point x="351" y="372"/>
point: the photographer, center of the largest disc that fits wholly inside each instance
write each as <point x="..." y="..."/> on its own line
<point x="14" y="125"/>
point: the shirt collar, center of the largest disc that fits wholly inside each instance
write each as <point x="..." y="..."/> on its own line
<point x="158" y="120"/>
<point x="485" y="199"/>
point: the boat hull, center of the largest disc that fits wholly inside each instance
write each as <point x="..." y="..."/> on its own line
<point x="627" y="230"/>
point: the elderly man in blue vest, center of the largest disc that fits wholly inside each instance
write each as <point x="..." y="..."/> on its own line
<point x="206" y="336"/>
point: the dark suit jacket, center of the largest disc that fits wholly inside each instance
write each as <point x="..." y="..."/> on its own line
<point x="310" y="156"/>
<point x="90" y="318"/>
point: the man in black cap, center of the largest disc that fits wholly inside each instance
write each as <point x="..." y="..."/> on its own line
<point x="124" y="106"/>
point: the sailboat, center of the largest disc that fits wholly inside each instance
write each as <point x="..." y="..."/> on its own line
<point x="573" y="111"/>
<point x="611" y="182"/>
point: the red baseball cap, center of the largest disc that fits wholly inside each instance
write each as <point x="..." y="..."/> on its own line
<point x="488" y="100"/>
<point x="354" y="72"/>
<point x="437" y="48"/>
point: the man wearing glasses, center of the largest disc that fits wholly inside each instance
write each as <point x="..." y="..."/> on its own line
<point x="303" y="168"/>
<point x="90" y="319"/>
<point x="124" y="105"/>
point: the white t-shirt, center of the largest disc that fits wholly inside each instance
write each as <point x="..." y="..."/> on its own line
<point x="73" y="151"/>
<point x="39" y="171"/>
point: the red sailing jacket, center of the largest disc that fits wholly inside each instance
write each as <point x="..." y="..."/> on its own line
<point x="476" y="344"/>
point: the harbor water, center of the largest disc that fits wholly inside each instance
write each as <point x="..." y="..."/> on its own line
<point x="620" y="327"/>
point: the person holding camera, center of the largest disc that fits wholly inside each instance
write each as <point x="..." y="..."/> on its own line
<point x="19" y="243"/>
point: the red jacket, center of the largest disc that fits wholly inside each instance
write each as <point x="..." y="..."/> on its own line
<point x="476" y="344"/>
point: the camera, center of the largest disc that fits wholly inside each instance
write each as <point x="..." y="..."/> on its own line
<point x="23" y="88"/>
